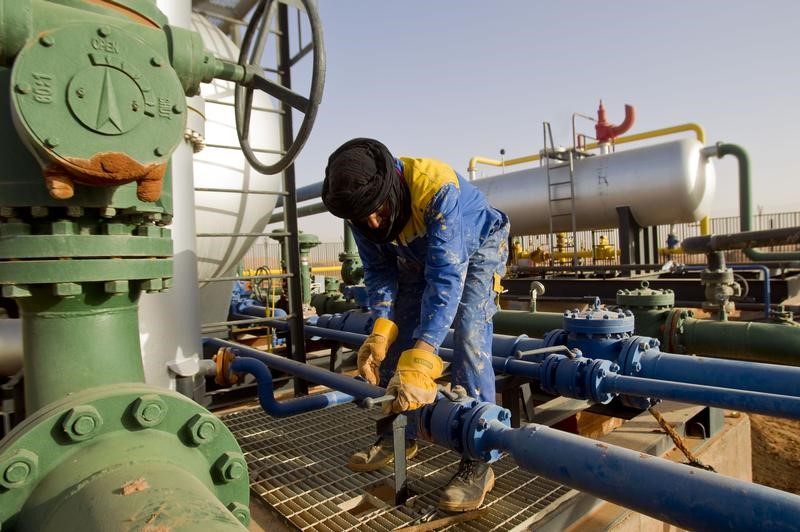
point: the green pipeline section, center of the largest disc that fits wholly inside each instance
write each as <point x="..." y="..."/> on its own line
<point x="745" y="204"/>
<point x="95" y="98"/>
<point x="60" y="361"/>
<point x="122" y="457"/>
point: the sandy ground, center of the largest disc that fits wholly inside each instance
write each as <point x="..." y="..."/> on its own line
<point x="776" y="452"/>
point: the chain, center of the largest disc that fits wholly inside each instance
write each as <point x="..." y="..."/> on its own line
<point x="676" y="438"/>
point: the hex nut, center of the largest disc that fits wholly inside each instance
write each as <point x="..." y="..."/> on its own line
<point x="67" y="289"/>
<point x="230" y="466"/>
<point x="75" y="211"/>
<point x="149" y="410"/>
<point x="202" y="428"/>
<point x="82" y="423"/>
<point x="15" y="291"/>
<point x="19" y="469"/>
<point x="116" y="287"/>
<point x="64" y="227"/>
<point x="240" y="512"/>
<point x="152" y="285"/>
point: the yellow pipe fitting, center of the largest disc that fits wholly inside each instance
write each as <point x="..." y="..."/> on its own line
<point x="325" y="269"/>
<point x="565" y="255"/>
<point x="494" y="162"/>
<point x="696" y="128"/>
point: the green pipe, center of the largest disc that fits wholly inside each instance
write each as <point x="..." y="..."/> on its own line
<point x="753" y="341"/>
<point x="78" y="342"/>
<point x="534" y="324"/>
<point x="352" y="269"/>
<point x="174" y="500"/>
<point x="745" y="200"/>
<point x="349" y="241"/>
<point x="328" y="304"/>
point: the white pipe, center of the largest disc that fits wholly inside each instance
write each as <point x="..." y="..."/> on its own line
<point x="170" y="321"/>
<point x="10" y="346"/>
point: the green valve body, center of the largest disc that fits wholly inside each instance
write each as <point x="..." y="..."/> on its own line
<point x="96" y="106"/>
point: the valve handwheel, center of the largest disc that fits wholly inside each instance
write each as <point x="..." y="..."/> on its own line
<point x="250" y="57"/>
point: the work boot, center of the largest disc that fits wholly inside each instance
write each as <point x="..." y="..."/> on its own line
<point x="379" y="454"/>
<point x="468" y="487"/>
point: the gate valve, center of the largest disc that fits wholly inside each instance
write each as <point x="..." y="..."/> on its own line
<point x="99" y="98"/>
<point x="607" y="132"/>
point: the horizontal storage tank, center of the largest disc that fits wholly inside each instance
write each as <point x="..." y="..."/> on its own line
<point x="662" y="184"/>
<point x="214" y="167"/>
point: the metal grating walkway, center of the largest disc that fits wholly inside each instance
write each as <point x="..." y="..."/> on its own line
<point x="297" y="467"/>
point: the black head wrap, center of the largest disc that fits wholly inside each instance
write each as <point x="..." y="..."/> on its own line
<point x="361" y="177"/>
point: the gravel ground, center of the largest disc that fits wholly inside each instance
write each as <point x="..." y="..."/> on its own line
<point x="776" y="452"/>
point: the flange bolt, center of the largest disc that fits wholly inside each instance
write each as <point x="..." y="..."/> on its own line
<point x="19" y="469"/>
<point x="202" y="429"/>
<point x="82" y="423"/>
<point x="231" y="466"/>
<point x="149" y="410"/>
<point x="240" y="512"/>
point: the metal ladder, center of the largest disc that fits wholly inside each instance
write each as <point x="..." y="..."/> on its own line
<point x="290" y="233"/>
<point x="566" y="157"/>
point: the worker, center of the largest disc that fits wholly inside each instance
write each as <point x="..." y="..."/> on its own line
<point x="433" y="251"/>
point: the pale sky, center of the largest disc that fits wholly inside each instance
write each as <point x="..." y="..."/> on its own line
<point x="451" y="79"/>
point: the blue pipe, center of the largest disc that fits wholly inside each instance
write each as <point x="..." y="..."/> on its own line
<point x="688" y="497"/>
<point x="766" y="392"/>
<point x="766" y="293"/>
<point x="502" y="345"/>
<point x="253" y="311"/>
<point x="753" y="376"/>
<point x="336" y="381"/>
<point x="747" y="401"/>
<point x="501" y="364"/>
<point x="266" y="395"/>
<point x="654" y="364"/>
<point x="712" y="372"/>
<point x="691" y="498"/>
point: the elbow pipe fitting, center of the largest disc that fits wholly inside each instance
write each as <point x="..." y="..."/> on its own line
<point x="291" y="407"/>
<point x="605" y="131"/>
<point x="336" y="381"/>
<point x="745" y="210"/>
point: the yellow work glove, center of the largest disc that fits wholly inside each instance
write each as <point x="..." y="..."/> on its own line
<point x="413" y="382"/>
<point x="374" y="349"/>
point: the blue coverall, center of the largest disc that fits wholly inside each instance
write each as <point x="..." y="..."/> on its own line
<point x="442" y="271"/>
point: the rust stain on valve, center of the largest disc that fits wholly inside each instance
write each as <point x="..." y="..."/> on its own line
<point x="105" y="170"/>
<point x="140" y="484"/>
